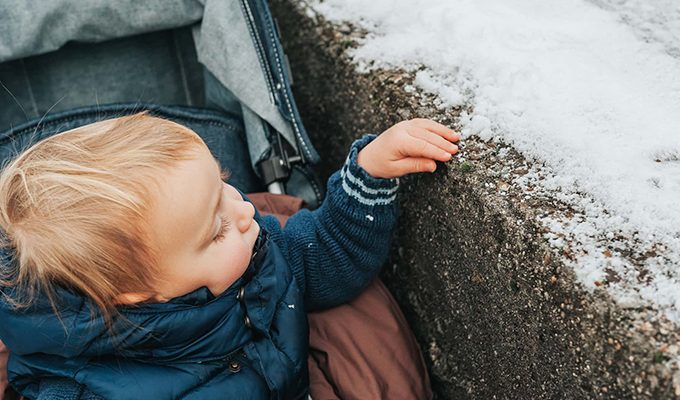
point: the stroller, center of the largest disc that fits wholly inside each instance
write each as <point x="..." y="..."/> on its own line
<point x="215" y="66"/>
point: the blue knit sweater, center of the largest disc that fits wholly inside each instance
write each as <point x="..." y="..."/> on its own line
<point x="333" y="252"/>
<point x="337" y="249"/>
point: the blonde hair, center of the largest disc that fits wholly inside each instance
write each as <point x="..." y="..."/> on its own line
<point x="74" y="208"/>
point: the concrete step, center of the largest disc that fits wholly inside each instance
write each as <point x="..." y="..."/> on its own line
<point x="497" y="310"/>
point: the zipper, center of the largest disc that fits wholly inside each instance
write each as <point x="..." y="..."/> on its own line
<point x="274" y="89"/>
<point x="259" y="48"/>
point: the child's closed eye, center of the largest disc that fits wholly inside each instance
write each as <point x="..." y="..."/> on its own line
<point x="224" y="226"/>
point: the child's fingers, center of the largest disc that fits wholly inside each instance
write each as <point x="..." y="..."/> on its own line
<point x="414" y="164"/>
<point x="436" y="140"/>
<point x="419" y="148"/>
<point x="437" y="128"/>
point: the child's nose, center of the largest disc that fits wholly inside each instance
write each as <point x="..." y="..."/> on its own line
<point x="245" y="213"/>
<point x="243" y="210"/>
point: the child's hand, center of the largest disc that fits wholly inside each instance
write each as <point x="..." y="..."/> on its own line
<point x="408" y="147"/>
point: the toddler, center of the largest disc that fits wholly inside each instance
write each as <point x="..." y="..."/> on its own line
<point x="137" y="272"/>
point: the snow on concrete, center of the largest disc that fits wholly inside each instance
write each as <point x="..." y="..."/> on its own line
<point x="591" y="89"/>
<point x="657" y="20"/>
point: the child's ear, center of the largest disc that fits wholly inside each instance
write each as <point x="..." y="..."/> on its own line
<point x="133" y="298"/>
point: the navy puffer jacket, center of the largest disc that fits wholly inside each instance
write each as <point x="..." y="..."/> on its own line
<point x="250" y="342"/>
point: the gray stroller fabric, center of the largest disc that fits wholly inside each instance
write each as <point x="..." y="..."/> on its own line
<point x="223" y="44"/>
<point x="31" y="27"/>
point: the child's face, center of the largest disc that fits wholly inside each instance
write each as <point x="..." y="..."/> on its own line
<point x="203" y="229"/>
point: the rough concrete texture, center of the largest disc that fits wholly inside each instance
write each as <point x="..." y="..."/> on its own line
<point x="496" y="311"/>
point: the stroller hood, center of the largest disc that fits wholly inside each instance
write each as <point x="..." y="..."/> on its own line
<point x="236" y="41"/>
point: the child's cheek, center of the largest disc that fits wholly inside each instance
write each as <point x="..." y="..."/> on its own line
<point x="236" y="258"/>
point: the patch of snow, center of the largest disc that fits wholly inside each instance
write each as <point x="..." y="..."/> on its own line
<point x="449" y="95"/>
<point x="653" y="21"/>
<point x="475" y="125"/>
<point x="590" y="88"/>
<point x="409" y="89"/>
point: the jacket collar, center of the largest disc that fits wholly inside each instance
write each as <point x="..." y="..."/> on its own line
<point x="197" y="326"/>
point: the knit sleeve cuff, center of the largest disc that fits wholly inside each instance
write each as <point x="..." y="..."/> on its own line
<point x="364" y="188"/>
